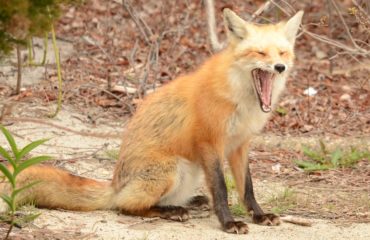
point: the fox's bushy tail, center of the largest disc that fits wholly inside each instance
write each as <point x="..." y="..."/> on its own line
<point x="60" y="189"/>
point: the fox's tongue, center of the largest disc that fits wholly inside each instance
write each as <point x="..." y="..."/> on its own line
<point x="266" y="87"/>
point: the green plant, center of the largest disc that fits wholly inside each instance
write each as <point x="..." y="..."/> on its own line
<point x="30" y="51"/>
<point x="20" y="20"/>
<point x="112" y="154"/>
<point x="323" y="159"/>
<point x="17" y="162"/>
<point x="59" y="71"/>
<point x="281" y="111"/>
<point x="283" y="201"/>
<point x="230" y="183"/>
<point x="238" y="209"/>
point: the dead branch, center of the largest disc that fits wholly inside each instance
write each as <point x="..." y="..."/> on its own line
<point x="356" y="50"/>
<point x="151" y="39"/>
<point x="344" y="24"/>
<point x="267" y="6"/>
<point x="211" y="21"/>
<point x="19" y="70"/>
<point x="216" y="45"/>
<point x="358" y="6"/>
<point x="140" y="23"/>
<point x="296" y="220"/>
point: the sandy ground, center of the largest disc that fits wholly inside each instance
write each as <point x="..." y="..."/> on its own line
<point x="87" y="156"/>
<point x="33" y="75"/>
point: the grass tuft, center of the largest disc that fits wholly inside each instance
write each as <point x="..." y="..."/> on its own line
<point x="323" y="159"/>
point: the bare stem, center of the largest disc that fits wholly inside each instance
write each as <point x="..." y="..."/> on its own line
<point x="211" y="21"/>
<point x="9" y="231"/>
<point x="57" y="61"/>
<point x="19" y="70"/>
<point x="46" y="40"/>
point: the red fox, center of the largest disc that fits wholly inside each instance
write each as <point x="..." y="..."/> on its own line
<point x="186" y="129"/>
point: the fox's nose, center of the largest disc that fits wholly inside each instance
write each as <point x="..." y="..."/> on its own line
<point x="279" y="67"/>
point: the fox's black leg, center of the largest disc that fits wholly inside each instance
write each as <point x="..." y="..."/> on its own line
<point x="258" y="215"/>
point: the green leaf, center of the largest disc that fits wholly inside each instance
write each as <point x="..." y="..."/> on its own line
<point x="335" y="157"/>
<point x="29" y="162"/>
<point x="21" y="220"/>
<point x="17" y="191"/>
<point x="323" y="147"/>
<point x="10" y="139"/>
<point x="28" y="218"/>
<point x="6" y="155"/>
<point x="7" y="174"/>
<point x="7" y="199"/>
<point x="311" y="167"/>
<point x="282" y="111"/>
<point x="312" y="154"/>
<point x="30" y="147"/>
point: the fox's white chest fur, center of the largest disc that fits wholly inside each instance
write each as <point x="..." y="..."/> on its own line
<point x="248" y="119"/>
<point x="245" y="122"/>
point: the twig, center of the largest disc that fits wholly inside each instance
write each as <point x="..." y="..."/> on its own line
<point x="147" y="220"/>
<point x="357" y="51"/>
<point x="344" y="23"/>
<point x="264" y="8"/>
<point x="296" y="220"/>
<point x="211" y="21"/>
<point x="143" y="27"/>
<point x="150" y="39"/>
<point x="281" y="8"/>
<point x="361" y="9"/>
<point x="19" y="70"/>
<point x="331" y="62"/>
<point x="59" y="72"/>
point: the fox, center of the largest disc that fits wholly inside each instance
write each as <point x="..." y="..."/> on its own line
<point x="184" y="133"/>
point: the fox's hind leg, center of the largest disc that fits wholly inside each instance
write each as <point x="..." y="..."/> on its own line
<point x="159" y="190"/>
<point x="199" y="202"/>
<point x="141" y="198"/>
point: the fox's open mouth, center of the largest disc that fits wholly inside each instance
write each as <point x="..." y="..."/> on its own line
<point x="263" y="84"/>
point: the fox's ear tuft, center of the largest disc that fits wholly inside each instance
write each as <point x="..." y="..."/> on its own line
<point x="292" y="26"/>
<point x="235" y="25"/>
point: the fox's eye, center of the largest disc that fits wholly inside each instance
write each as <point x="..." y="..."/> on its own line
<point x="261" y="53"/>
<point x="283" y="53"/>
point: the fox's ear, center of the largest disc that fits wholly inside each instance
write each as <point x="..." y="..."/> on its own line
<point x="292" y="26"/>
<point x="235" y="25"/>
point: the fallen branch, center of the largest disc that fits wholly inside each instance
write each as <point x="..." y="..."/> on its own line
<point x="296" y="220"/>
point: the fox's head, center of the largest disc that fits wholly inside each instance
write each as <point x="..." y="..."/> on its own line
<point x="263" y="55"/>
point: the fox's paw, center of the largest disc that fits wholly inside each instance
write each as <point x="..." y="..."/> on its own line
<point x="174" y="213"/>
<point x="237" y="227"/>
<point x="199" y="202"/>
<point x="268" y="219"/>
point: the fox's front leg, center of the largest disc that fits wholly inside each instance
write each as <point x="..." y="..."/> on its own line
<point x="216" y="183"/>
<point x="240" y="168"/>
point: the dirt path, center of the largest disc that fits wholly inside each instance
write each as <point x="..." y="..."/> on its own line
<point x="88" y="156"/>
